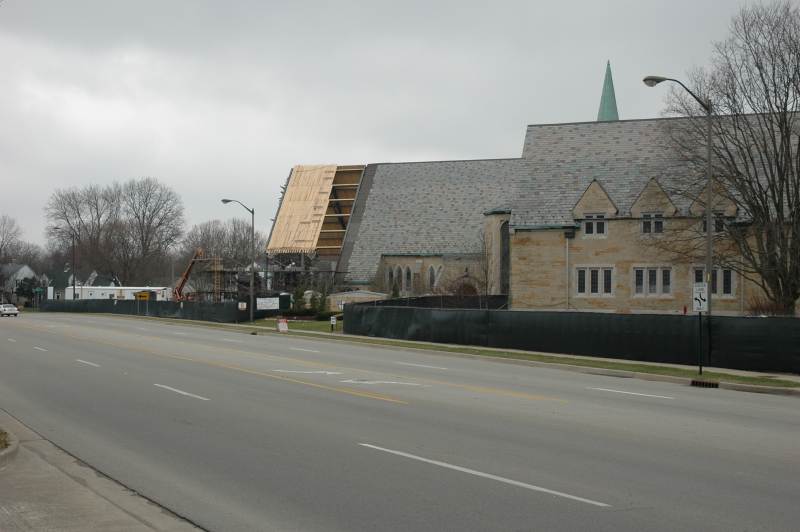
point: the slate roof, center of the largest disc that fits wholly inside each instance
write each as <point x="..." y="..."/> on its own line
<point x="562" y="160"/>
<point x="424" y="208"/>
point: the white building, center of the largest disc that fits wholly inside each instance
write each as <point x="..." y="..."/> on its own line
<point x="162" y="293"/>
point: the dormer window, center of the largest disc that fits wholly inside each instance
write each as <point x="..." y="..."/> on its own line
<point x="652" y="223"/>
<point x="719" y="222"/>
<point x="594" y="224"/>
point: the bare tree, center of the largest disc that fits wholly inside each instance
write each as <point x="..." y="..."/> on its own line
<point x="228" y="240"/>
<point x="753" y="84"/>
<point x="123" y="229"/>
<point x="154" y="213"/>
<point x="9" y="236"/>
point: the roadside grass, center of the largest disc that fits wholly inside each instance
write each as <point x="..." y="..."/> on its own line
<point x="3" y="439"/>
<point x="312" y="329"/>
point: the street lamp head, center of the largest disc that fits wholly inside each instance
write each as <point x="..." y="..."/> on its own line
<point x="226" y="201"/>
<point x="652" y="81"/>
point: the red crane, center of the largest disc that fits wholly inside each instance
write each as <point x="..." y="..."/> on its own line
<point x="177" y="292"/>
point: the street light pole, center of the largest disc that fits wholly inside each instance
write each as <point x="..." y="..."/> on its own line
<point x="252" y="251"/>
<point x="73" y="265"/>
<point x="652" y="81"/>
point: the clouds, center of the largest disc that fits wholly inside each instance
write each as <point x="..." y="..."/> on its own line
<point x="222" y="98"/>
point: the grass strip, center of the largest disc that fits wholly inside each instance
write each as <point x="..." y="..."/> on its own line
<point x="313" y="327"/>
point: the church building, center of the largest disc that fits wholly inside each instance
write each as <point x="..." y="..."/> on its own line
<point x="580" y="221"/>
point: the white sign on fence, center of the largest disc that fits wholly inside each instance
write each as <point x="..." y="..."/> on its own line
<point x="267" y="303"/>
<point x="242" y="305"/>
<point x="700" y="297"/>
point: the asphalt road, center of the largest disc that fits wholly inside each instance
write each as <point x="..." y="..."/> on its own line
<point x="239" y="432"/>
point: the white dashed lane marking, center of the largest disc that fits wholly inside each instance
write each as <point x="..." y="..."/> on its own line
<point x="489" y="476"/>
<point x="187" y="394"/>
<point x="419" y="365"/>
<point x="631" y="393"/>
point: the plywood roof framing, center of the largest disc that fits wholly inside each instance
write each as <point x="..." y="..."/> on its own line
<point x="315" y="210"/>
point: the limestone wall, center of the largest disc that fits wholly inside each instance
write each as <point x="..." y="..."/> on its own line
<point x="540" y="275"/>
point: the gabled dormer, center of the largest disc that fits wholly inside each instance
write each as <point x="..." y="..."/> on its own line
<point x="722" y="203"/>
<point x="593" y="209"/>
<point x="653" y="200"/>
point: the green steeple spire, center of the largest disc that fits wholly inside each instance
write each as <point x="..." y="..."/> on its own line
<point x="608" y="101"/>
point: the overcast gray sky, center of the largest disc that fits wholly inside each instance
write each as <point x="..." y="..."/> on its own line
<point x="221" y="98"/>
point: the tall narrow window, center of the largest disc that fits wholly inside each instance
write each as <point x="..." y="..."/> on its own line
<point x="431" y="277"/>
<point x="698" y="275"/>
<point x="666" y="281"/>
<point x="727" y="282"/>
<point x="505" y="259"/>
<point x="713" y="281"/>
<point x="647" y="223"/>
<point x="652" y="281"/>
<point x="594" y="281"/>
<point x="658" y="223"/>
<point x="607" y="280"/>
<point x="639" y="274"/>
<point x="581" y="281"/>
<point x="408" y="279"/>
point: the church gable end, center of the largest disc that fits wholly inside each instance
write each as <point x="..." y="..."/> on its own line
<point x="721" y="201"/>
<point x="653" y="199"/>
<point x="594" y="200"/>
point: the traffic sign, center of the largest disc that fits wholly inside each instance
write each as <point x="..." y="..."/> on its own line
<point x="700" y="297"/>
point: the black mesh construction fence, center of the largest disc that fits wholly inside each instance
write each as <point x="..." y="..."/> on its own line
<point x="756" y="344"/>
<point x="227" y="312"/>
<point x="460" y="302"/>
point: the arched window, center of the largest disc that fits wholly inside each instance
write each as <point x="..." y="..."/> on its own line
<point x="505" y="259"/>
<point x="389" y="278"/>
<point x="431" y="277"/>
<point x="398" y="278"/>
<point x="407" y="284"/>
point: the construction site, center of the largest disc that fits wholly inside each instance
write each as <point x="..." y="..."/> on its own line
<point x="308" y="236"/>
<point x="215" y="280"/>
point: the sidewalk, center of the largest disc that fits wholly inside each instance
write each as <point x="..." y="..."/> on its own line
<point x="44" y="488"/>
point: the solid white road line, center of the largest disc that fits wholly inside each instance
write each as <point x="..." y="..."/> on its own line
<point x="307" y="372"/>
<point x="39" y="348"/>
<point x="231" y="340"/>
<point x="489" y="476"/>
<point x="179" y="333"/>
<point x="12" y="340"/>
<point x="357" y="381"/>
<point x="419" y="365"/>
<point x="306" y="350"/>
<point x="182" y="392"/>
<point x="87" y="363"/>
<point x="631" y="393"/>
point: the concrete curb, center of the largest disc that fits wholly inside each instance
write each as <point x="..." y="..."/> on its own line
<point x="7" y="454"/>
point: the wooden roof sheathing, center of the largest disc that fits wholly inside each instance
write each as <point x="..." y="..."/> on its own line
<point x="302" y="210"/>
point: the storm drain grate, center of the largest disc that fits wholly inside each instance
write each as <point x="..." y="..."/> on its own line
<point x="704" y="384"/>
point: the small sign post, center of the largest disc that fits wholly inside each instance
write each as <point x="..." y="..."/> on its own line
<point x="333" y="323"/>
<point x="700" y="305"/>
<point x="283" y="325"/>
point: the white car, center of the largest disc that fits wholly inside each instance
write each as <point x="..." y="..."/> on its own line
<point x="9" y="310"/>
